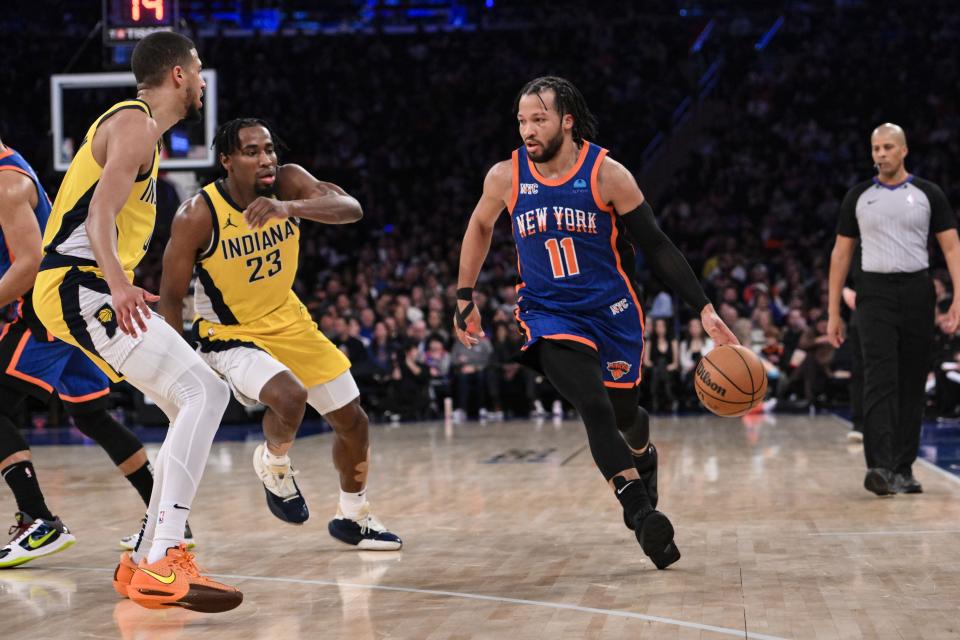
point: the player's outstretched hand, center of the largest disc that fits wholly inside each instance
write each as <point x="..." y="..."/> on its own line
<point x="471" y="332"/>
<point x="718" y="331"/>
<point x="130" y="305"/>
<point x="263" y="209"/>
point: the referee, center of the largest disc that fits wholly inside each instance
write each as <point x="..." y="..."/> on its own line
<point x="893" y="215"/>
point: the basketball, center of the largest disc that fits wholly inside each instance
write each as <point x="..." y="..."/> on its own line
<point x="730" y="380"/>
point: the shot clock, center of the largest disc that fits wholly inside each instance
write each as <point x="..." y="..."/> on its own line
<point x="127" y="21"/>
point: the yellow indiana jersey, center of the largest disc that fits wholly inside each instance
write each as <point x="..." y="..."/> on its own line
<point x="65" y="240"/>
<point x="245" y="273"/>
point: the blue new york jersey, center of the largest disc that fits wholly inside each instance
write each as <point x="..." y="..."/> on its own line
<point x="30" y="360"/>
<point x="571" y="254"/>
<point x="10" y="160"/>
<point x="575" y="266"/>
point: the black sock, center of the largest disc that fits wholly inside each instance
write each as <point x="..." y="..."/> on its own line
<point x="23" y="482"/>
<point x="142" y="481"/>
<point x="632" y="494"/>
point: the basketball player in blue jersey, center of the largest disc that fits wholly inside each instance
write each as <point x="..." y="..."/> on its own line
<point x="33" y="363"/>
<point x="571" y="209"/>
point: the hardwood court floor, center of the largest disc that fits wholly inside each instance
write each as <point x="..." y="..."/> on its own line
<point x="510" y="532"/>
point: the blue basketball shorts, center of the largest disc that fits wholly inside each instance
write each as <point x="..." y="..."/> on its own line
<point x="615" y="332"/>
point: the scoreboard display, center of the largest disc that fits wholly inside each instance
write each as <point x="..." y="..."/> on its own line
<point x="127" y="21"/>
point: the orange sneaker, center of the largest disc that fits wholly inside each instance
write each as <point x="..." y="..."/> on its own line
<point x="175" y="581"/>
<point x="123" y="574"/>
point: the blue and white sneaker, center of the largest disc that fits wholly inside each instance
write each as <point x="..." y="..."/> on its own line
<point x="34" y="538"/>
<point x="365" y="532"/>
<point x="283" y="495"/>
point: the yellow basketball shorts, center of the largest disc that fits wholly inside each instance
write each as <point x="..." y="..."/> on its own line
<point x="288" y="334"/>
<point x="74" y="304"/>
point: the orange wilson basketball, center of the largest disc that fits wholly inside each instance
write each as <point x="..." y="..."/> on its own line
<point x="730" y="380"/>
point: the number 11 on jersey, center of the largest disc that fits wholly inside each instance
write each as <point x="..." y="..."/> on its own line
<point x="557" y="260"/>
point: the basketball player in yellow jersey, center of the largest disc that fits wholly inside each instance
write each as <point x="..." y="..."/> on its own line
<point x="241" y="237"/>
<point x="96" y="235"/>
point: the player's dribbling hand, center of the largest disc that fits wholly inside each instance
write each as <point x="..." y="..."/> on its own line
<point x="263" y="209"/>
<point x="130" y="306"/>
<point x="835" y="331"/>
<point x="716" y="328"/>
<point x="472" y="334"/>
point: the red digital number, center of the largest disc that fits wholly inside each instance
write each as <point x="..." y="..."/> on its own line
<point x="157" y="6"/>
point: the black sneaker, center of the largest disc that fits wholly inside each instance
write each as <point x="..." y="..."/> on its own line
<point x="655" y="535"/>
<point x="906" y="483"/>
<point x="283" y="495"/>
<point x="365" y="532"/>
<point x="879" y="481"/>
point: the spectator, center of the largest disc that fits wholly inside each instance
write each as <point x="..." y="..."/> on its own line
<point x="661" y="357"/>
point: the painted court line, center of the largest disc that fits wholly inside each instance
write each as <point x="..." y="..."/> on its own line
<point x="472" y="596"/>
<point x="884" y="533"/>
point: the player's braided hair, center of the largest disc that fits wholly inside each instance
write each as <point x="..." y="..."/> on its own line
<point x="568" y="100"/>
<point x="227" y="138"/>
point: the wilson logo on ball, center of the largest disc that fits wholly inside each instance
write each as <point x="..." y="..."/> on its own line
<point x="707" y="382"/>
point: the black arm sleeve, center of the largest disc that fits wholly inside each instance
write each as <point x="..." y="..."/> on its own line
<point x="847" y="224"/>
<point x="665" y="260"/>
<point x="941" y="213"/>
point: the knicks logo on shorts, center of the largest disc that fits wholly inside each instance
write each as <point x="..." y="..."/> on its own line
<point x="618" y="368"/>
<point x="107" y="318"/>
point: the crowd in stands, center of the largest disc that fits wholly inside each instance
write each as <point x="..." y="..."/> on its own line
<point x="410" y="124"/>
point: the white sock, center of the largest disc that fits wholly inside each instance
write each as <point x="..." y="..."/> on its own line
<point x="169" y="532"/>
<point x="272" y="460"/>
<point x="351" y="504"/>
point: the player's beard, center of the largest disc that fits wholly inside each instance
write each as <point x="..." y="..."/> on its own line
<point x="265" y="190"/>
<point x="550" y="149"/>
<point x="193" y="112"/>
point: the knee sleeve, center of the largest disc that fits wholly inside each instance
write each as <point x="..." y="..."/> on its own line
<point x="577" y="377"/>
<point x="11" y="441"/>
<point x="118" y="441"/>
<point x="633" y="421"/>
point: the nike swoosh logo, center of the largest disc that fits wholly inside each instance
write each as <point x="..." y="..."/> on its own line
<point x="179" y="506"/>
<point x="164" y="579"/>
<point x="870" y="201"/>
<point x="34" y="543"/>
<point x="624" y="487"/>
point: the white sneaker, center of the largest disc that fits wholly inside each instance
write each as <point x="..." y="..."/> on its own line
<point x="365" y="532"/>
<point x="557" y="409"/>
<point x="130" y="542"/>
<point x="34" y="539"/>
<point x="538" y="409"/>
<point x="283" y="495"/>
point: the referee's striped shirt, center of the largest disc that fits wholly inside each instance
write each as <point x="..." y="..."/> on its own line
<point x="894" y="222"/>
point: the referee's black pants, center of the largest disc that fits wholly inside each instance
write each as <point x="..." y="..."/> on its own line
<point x="895" y="316"/>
